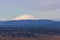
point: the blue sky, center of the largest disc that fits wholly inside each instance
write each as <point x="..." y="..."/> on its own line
<point x="43" y="9"/>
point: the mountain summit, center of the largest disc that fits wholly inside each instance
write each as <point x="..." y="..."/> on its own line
<point x="25" y="17"/>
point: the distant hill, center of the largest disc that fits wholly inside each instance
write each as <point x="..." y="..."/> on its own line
<point x="29" y="23"/>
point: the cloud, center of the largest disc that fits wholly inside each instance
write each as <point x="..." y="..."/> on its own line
<point x="39" y="4"/>
<point x="50" y="14"/>
<point x="7" y="3"/>
<point x="25" y="17"/>
<point x="1" y="19"/>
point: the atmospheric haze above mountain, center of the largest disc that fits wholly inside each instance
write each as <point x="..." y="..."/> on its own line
<point x="29" y="9"/>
